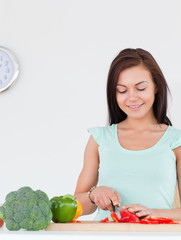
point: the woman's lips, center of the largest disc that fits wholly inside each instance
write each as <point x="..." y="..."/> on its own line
<point x="135" y="107"/>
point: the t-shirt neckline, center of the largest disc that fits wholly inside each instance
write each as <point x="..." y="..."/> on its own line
<point x="143" y="150"/>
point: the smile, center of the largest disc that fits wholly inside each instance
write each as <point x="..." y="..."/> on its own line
<point x="135" y="107"/>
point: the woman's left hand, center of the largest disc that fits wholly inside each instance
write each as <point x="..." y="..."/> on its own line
<point x="139" y="210"/>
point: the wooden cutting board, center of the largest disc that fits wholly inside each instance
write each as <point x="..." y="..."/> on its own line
<point x="112" y="226"/>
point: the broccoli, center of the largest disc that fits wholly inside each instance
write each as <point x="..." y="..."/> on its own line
<point x="26" y="209"/>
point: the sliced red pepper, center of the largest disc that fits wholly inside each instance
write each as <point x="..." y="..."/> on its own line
<point x="124" y="213"/>
<point x="161" y="219"/>
<point x="145" y="221"/>
<point x="128" y="216"/>
<point x="124" y="219"/>
<point x="133" y="218"/>
<point x="106" y="220"/>
<point x="75" y="221"/>
<point x="114" y="217"/>
<point x="149" y="220"/>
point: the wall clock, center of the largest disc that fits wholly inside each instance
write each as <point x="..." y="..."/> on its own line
<point x="9" y="68"/>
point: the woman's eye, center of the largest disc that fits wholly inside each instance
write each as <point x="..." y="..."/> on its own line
<point x="141" y="89"/>
<point x="122" y="92"/>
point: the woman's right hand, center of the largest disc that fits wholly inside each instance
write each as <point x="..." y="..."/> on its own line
<point x="102" y="196"/>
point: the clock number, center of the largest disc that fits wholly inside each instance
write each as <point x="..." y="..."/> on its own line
<point x="5" y="77"/>
<point x="1" y="82"/>
<point x="7" y="70"/>
<point x="1" y="58"/>
<point x="6" y="63"/>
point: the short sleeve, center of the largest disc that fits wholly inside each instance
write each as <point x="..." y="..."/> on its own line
<point x="96" y="132"/>
<point x="177" y="140"/>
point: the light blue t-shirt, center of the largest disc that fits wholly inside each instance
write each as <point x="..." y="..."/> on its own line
<point x="147" y="177"/>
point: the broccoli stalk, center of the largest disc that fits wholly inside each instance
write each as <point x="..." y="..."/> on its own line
<point x="26" y="209"/>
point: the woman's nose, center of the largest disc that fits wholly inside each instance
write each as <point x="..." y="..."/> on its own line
<point x="132" y="95"/>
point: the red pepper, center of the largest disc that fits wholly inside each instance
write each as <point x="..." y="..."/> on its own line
<point x="161" y="219"/>
<point x="75" y="221"/>
<point x="106" y="220"/>
<point x="127" y="216"/>
<point x="1" y="222"/>
<point x="124" y="213"/>
<point x="124" y="219"/>
<point x="114" y="217"/>
<point x="146" y="221"/>
<point x="133" y="218"/>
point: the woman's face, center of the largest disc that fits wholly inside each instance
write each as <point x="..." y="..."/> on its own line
<point x="135" y="92"/>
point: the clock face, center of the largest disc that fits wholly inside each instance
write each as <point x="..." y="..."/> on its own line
<point x="9" y="69"/>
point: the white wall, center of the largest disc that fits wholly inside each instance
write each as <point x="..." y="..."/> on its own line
<point x="65" y="49"/>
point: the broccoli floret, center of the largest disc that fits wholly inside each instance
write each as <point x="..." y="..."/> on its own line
<point x="26" y="209"/>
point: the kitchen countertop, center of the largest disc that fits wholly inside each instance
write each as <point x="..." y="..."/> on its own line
<point x="5" y="234"/>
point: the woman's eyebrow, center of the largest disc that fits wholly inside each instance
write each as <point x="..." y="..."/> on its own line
<point x="135" y="84"/>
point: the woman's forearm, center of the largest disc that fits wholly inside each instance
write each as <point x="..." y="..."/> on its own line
<point x="175" y="214"/>
<point x="87" y="206"/>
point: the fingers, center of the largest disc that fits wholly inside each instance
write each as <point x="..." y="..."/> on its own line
<point x="103" y="197"/>
<point x="119" y="200"/>
<point x="143" y="213"/>
<point x="105" y="203"/>
<point x="101" y="204"/>
<point x="138" y="209"/>
<point x="115" y="200"/>
<point x="110" y="207"/>
<point x="133" y="207"/>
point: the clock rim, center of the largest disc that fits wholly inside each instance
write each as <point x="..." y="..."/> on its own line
<point x="16" y="68"/>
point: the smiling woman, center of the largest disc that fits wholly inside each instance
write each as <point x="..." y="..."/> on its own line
<point x="121" y="72"/>
<point x="133" y="94"/>
<point x="135" y="162"/>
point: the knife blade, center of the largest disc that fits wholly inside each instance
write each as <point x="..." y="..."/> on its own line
<point x="116" y="210"/>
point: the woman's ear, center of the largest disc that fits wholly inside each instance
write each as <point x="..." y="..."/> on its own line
<point x="156" y="89"/>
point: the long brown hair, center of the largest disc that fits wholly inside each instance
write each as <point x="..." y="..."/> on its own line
<point x="127" y="58"/>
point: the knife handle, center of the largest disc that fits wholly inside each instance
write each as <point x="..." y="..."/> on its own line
<point x="113" y="207"/>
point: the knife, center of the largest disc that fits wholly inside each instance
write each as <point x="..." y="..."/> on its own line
<point x="116" y="210"/>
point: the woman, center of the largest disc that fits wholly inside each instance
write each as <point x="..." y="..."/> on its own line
<point x="135" y="162"/>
